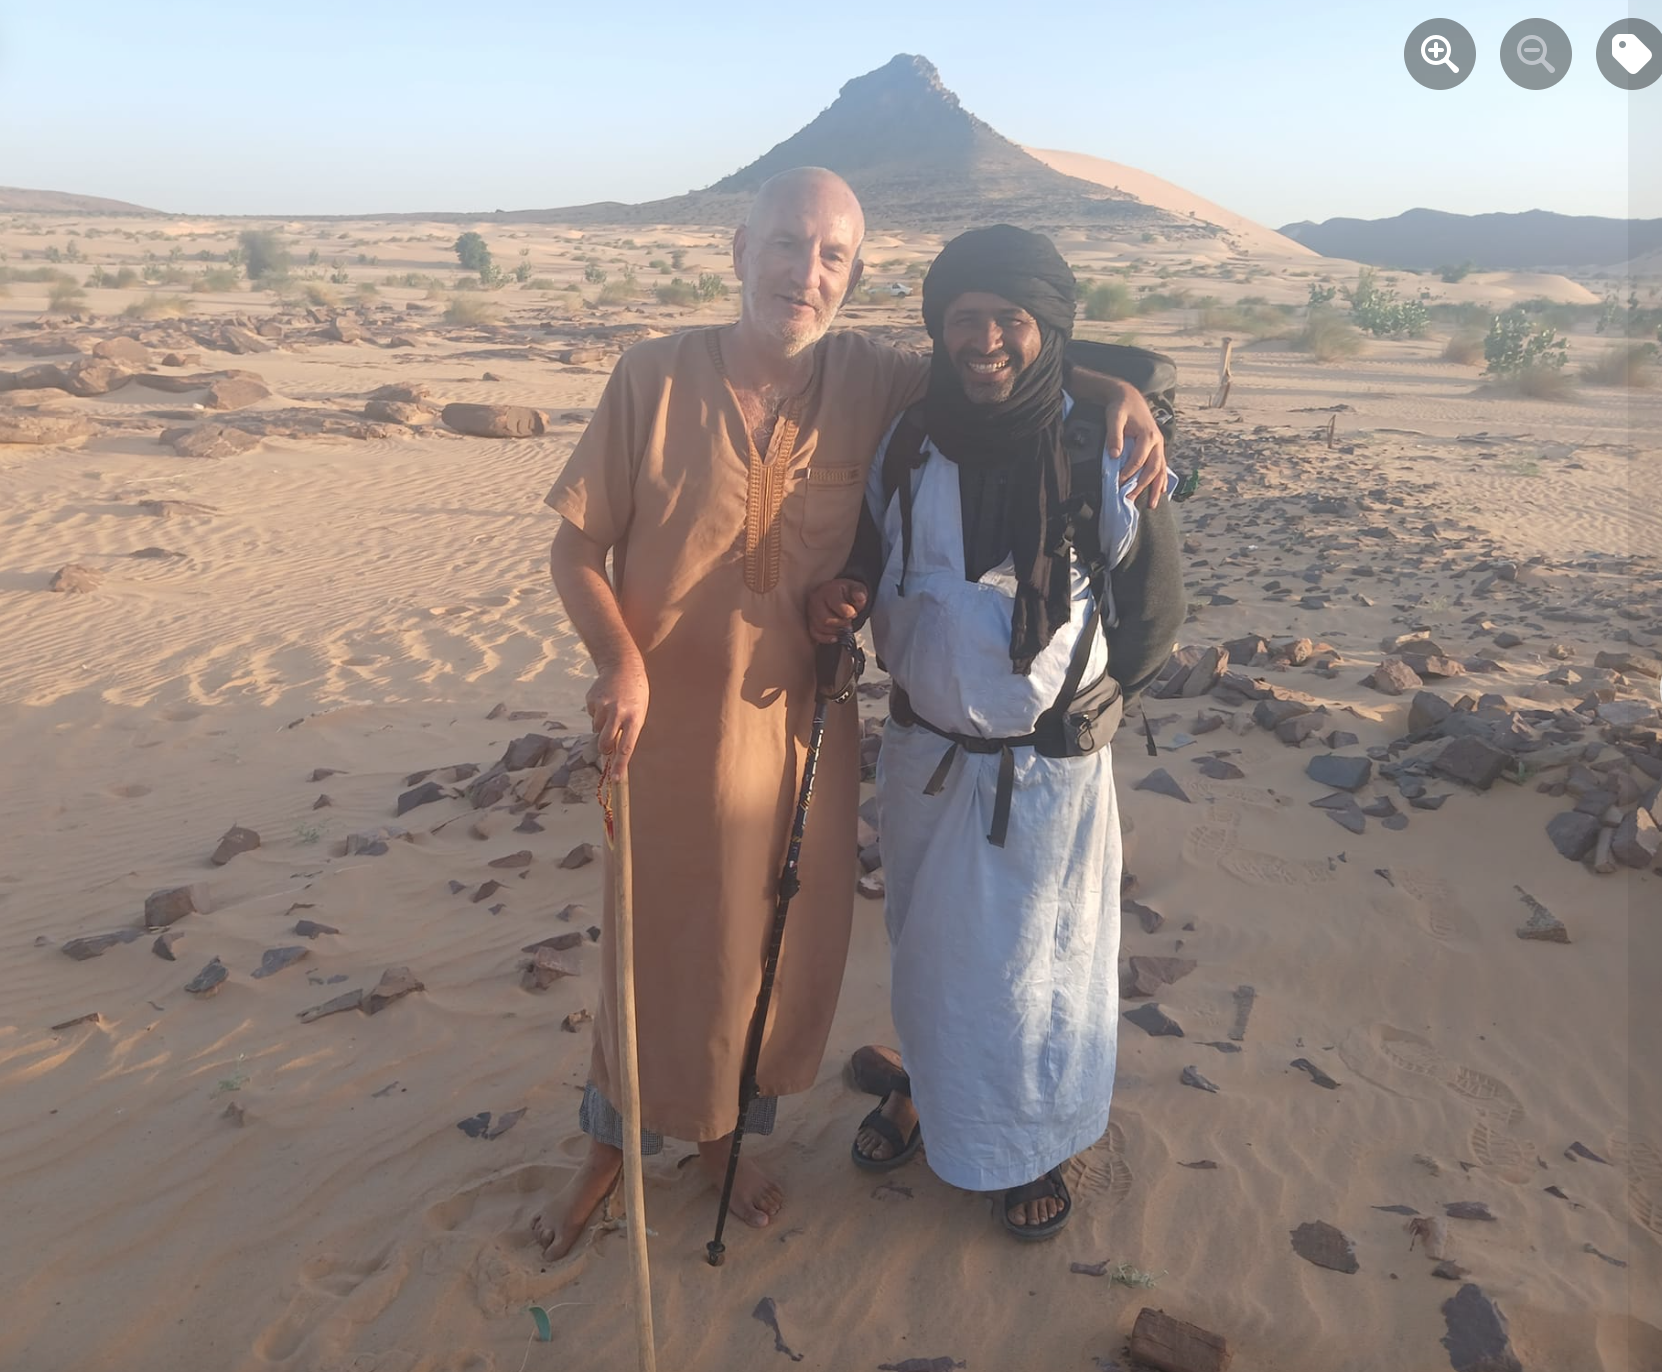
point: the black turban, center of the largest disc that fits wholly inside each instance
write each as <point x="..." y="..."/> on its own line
<point x="1016" y="444"/>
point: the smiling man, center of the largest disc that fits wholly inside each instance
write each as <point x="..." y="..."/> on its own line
<point x="724" y="470"/>
<point x="995" y="545"/>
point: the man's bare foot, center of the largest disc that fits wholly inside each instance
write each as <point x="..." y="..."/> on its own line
<point x="756" y="1198"/>
<point x="564" y="1217"/>
<point x="900" y="1112"/>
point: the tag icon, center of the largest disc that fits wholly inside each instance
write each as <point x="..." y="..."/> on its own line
<point x="1630" y="52"/>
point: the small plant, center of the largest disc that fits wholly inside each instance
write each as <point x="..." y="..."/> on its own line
<point x="540" y="283"/>
<point x="1525" y="466"/>
<point x="1327" y="337"/>
<point x="236" y="1081"/>
<point x="265" y="255"/>
<point x="1515" y="344"/>
<point x="677" y="292"/>
<point x="464" y="309"/>
<point x="1453" y="274"/>
<point x="65" y="296"/>
<point x="1623" y="364"/>
<point x="594" y="274"/>
<point x="1377" y="309"/>
<point x="471" y="251"/>
<point x="1127" y="1275"/>
<point x="1110" y="300"/>
<point x="678" y="258"/>
<point x="320" y="296"/>
<point x="97" y="277"/>
<point x="313" y="258"/>
<point x="156" y="306"/>
<point x="1321" y="295"/>
<point x="307" y="833"/>
<point x="710" y="286"/>
<point x="1466" y="349"/>
<point x="367" y="292"/>
<point x="339" y="276"/>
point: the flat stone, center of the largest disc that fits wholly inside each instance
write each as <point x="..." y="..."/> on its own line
<point x="1477" y="1340"/>
<point x="547" y="966"/>
<point x="493" y="421"/>
<point x="234" y="392"/>
<point x="163" y="946"/>
<point x="1637" y="839"/>
<point x="209" y="440"/>
<point x="577" y="1017"/>
<point x="1573" y="834"/>
<point x="395" y="984"/>
<point x="236" y="840"/>
<point x="307" y="928"/>
<point x="1316" y="1074"/>
<point x="1627" y="714"/>
<point x="76" y="578"/>
<point x="1427" y="710"/>
<point x="36" y="428"/>
<point x="347" y="1000"/>
<point x="1217" y="769"/>
<point x="1393" y="677"/>
<point x="1320" y="1243"/>
<point x="1161" y="782"/>
<point x="274" y="960"/>
<point x="486" y="890"/>
<point x="424" y="794"/>
<point x="1271" y="714"/>
<point x="1190" y="1077"/>
<point x="580" y="856"/>
<point x="172" y="904"/>
<point x="1432" y="665"/>
<point x="96" y="945"/>
<point x="1473" y="762"/>
<point x="1468" y="1210"/>
<point x="209" y="979"/>
<point x="1154" y="1021"/>
<point x="1341" y="771"/>
<point x="1296" y="730"/>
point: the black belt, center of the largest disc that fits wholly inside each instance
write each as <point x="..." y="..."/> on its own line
<point x="901" y="711"/>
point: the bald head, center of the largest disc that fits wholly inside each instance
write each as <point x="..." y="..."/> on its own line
<point x="798" y="255"/>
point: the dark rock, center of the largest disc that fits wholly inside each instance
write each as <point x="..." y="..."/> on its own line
<point x="1150" y="918"/>
<point x="1341" y="771"/>
<point x="347" y="1000"/>
<point x="1320" y="1243"/>
<point x="576" y="1018"/>
<point x="209" y="440"/>
<point x="580" y="856"/>
<point x="1477" y="1340"/>
<point x="172" y="904"/>
<point x="1341" y="738"/>
<point x="236" y="840"/>
<point x="1432" y="665"/>
<point x="1581" y="1150"/>
<point x="1190" y="1077"/>
<point x="424" y="794"/>
<point x="1271" y="714"/>
<point x="493" y="421"/>
<point x="1296" y="730"/>
<point x="531" y="750"/>
<point x="1316" y="1074"/>
<point x="1219" y="770"/>
<point x="1637" y="839"/>
<point x="1144" y="976"/>
<point x="274" y="960"/>
<point x="486" y="891"/>
<point x="163" y="946"/>
<point x="1392" y="677"/>
<point x="1154" y="1021"/>
<point x="1427" y="711"/>
<point x="395" y="984"/>
<point x="209" y="979"/>
<point x="307" y="928"/>
<point x="96" y="945"/>
<point x="548" y="966"/>
<point x="1449" y="1270"/>
<point x="1573" y="834"/>
<point x="1472" y="761"/>
<point x="1468" y="1210"/>
<point x="1163" y="783"/>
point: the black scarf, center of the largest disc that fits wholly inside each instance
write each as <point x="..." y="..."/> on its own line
<point x="1016" y="443"/>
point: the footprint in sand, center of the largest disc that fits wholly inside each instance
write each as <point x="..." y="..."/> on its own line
<point x="1511" y="1159"/>
<point x="1429" y="900"/>
<point x="333" y="1298"/>
<point x="130" y="792"/>
<point x="1643" y="1161"/>
<point x="1101" y="1170"/>
<point x="1226" y="793"/>
<point x="1411" y="1053"/>
<point x="1215" y="845"/>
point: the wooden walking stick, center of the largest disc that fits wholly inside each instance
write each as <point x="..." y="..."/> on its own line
<point x="615" y="804"/>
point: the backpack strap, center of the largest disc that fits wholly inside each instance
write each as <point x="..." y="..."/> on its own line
<point x="1084" y="436"/>
<point x="902" y="456"/>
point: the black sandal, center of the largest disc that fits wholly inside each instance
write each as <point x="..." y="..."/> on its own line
<point x="1048" y="1187"/>
<point x="904" y="1149"/>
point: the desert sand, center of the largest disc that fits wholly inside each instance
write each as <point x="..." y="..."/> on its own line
<point x="209" y="1182"/>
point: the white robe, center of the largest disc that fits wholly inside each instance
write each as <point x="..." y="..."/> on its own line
<point x="1005" y="982"/>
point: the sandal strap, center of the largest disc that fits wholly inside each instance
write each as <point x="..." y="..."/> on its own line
<point x="1048" y="1187"/>
<point x="886" y="1128"/>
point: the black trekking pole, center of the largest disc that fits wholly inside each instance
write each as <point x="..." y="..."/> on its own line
<point x="838" y="667"/>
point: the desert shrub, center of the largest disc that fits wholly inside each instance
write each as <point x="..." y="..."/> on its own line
<point x="1255" y="321"/>
<point x="1321" y="295"/>
<point x="1377" y="308"/>
<point x="265" y="254"/>
<point x="320" y="296"/>
<point x="711" y="286"/>
<point x="594" y="274"/>
<point x="125" y="279"/>
<point x="367" y="291"/>
<point x="216" y="279"/>
<point x="65" y="295"/>
<point x="471" y="251"/>
<point x="658" y="264"/>
<point x="1623" y="364"/>
<point x="616" y="293"/>
<point x="676" y="292"/>
<point x="1327" y="337"/>
<point x="1153" y="301"/>
<point x="156" y="306"/>
<point x="42" y="274"/>
<point x="540" y="283"/>
<point x="464" y="309"/>
<point x="339" y="276"/>
<point x="1465" y="349"/>
<point x="1535" y="383"/>
<point x="97" y="277"/>
<point x="1516" y="344"/>
<point x="1452" y="274"/>
<point x="678" y="258"/>
<point x="522" y="271"/>
<point x="1110" y="300"/>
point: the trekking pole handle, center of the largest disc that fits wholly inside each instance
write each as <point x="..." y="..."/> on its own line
<point x="837" y="667"/>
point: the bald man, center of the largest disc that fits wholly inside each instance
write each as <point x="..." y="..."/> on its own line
<point x="724" y="470"/>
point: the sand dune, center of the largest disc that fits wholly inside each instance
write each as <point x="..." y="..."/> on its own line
<point x="214" y="1184"/>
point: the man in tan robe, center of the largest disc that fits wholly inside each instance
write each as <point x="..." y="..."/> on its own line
<point x="724" y="470"/>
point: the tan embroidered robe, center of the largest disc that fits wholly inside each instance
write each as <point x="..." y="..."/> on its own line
<point x="715" y="547"/>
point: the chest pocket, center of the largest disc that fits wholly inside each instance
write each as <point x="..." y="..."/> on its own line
<point x="827" y="500"/>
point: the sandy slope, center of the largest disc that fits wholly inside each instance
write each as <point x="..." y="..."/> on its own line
<point x="363" y="604"/>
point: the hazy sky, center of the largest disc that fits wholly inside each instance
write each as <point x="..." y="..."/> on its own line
<point x="1279" y="110"/>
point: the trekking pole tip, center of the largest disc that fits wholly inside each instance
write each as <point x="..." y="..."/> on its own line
<point x="715" y="1253"/>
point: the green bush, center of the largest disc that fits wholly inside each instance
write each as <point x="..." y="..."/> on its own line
<point x="1515" y="344"/>
<point x="156" y="306"/>
<point x="216" y="279"/>
<point x="1110" y="300"/>
<point x="1377" y="309"/>
<point x="540" y="283"/>
<point x="265" y="254"/>
<point x="464" y="309"/>
<point x="594" y="274"/>
<point x="710" y="287"/>
<point x="320" y="296"/>
<point x="1453" y="274"/>
<point x="676" y="292"/>
<point x="1321" y="295"/>
<point x="472" y="252"/>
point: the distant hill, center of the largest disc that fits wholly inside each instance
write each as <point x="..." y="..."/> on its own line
<point x="917" y="159"/>
<point x="1243" y="233"/>
<point x="15" y="200"/>
<point x="1535" y="240"/>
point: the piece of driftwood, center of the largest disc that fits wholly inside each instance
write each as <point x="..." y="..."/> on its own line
<point x="1177" y="1346"/>
<point x="1222" y="393"/>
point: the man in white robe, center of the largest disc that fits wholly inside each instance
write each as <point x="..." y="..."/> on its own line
<point x="995" y="787"/>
